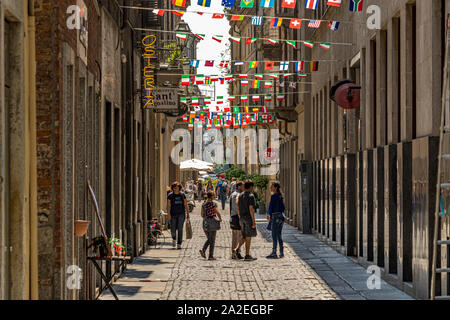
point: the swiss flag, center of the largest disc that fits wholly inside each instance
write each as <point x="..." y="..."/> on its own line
<point x="288" y="4"/>
<point x="295" y="23"/>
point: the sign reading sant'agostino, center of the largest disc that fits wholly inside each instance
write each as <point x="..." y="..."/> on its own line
<point x="149" y="84"/>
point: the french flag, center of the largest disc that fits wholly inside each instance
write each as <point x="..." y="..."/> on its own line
<point x="311" y="4"/>
<point x="333" y="25"/>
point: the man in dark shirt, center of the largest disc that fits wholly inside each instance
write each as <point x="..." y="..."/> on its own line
<point x="246" y="212"/>
<point x="178" y="211"/>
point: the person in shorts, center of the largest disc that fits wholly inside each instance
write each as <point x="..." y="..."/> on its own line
<point x="246" y="213"/>
<point x="234" y="222"/>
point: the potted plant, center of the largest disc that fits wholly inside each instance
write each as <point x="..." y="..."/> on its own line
<point x="81" y="227"/>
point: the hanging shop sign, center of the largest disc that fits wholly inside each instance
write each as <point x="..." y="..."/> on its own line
<point x="166" y="99"/>
<point x="149" y="74"/>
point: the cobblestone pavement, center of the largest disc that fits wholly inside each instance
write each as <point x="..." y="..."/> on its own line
<point x="310" y="270"/>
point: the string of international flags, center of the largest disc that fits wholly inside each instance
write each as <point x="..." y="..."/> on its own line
<point x="206" y="102"/>
<point x="355" y="5"/>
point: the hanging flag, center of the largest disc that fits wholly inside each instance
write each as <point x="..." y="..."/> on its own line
<point x="231" y="98"/>
<point x="264" y="109"/>
<point x="288" y="4"/>
<point x="185" y="118"/>
<point x="243" y="76"/>
<point x="209" y="63"/>
<point x="334" y="3"/>
<point x="247" y="3"/>
<point x="179" y="3"/>
<point x="204" y="3"/>
<point x="259" y="76"/>
<point x="276" y="22"/>
<point x="218" y="38"/>
<point x="183" y="100"/>
<point x="236" y="18"/>
<point x="181" y="35"/>
<point x="302" y="75"/>
<point x="291" y="43"/>
<point x="214" y="78"/>
<point x="207" y="100"/>
<point x="311" y="4"/>
<point x="309" y="44"/>
<point x="256" y="21"/>
<point x="272" y="41"/>
<point x="235" y="39"/>
<point x="287" y="75"/>
<point x="185" y="80"/>
<point x="268" y="97"/>
<point x="159" y="12"/>
<point x="284" y="66"/>
<point x="244" y="98"/>
<point x="228" y="3"/>
<point x="314" y="66"/>
<point x="195" y="63"/>
<point x="209" y="124"/>
<point x="295" y="23"/>
<point x="255" y="84"/>
<point x="273" y="76"/>
<point x="228" y="77"/>
<point x="280" y="97"/>
<point x="235" y="109"/>
<point x="239" y="63"/>
<point x="281" y="84"/>
<point x="314" y="23"/>
<point x="178" y="13"/>
<point x="266" y="3"/>
<point x="224" y="64"/>
<point x="333" y="25"/>
<point x="244" y="82"/>
<point x="219" y="100"/>
<point x="199" y="79"/>
<point x="268" y="84"/>
<point x="298" y="66"/>
<point x="208" y="80"/>
<point x="253" y="64"/>
<point x="194" y="101"/>
<point x="356" y="5"/>
<point x="218" y="15"/>
<point x="325" y="45"/>
<point x="200" y="36"/>
<point x="268" y="65"/>
<point x="293" y="85"/>
<point x="250" y="40"/>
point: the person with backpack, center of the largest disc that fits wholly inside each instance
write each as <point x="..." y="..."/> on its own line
<point x="211" y="224"/>
<point x="221" y="190"/>
<point x="178" y="211"/>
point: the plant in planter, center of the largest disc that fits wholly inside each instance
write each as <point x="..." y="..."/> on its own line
<point x="99" y="246"/>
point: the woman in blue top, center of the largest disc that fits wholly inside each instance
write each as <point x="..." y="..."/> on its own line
<point x="275" y="215"/>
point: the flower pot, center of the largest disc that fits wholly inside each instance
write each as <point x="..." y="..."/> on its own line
<point x="81" y="227"/>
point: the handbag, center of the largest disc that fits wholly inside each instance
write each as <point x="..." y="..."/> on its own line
<point x="188" y="229"/>
<point x="211" y="224"/>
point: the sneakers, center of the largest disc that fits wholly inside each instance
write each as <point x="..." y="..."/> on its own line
<point x="174" y="243"/>
<point x="249" y="258"/>
<point x="212" y="258"/>
<point x="273" y="255"/>
<point x="178" y="246"/>
<point x="202" y="253"/>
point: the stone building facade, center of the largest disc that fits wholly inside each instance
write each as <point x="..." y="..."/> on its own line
<point x="371" y="172"/>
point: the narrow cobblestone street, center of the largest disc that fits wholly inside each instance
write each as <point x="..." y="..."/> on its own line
<point x="311" y="270"/>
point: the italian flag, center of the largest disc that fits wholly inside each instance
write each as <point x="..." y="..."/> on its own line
<point x="181" y="35"/>
<point x="231" y="98"/>
<point x="243" y="76"/>
<point x="199" y="79"/>
<point x="268" y="97"/>
<point x="235" y="39"/>
<point x="272" y="41"/>
<point x="194" y="101"/>
<point x="288" y="75"/>
<point x="302" y="75"/>
<point x="309" y="44"/>
<point x="259" y="76"/>
<point x="244" y="98"/>
<point x="217" y="38"/>
<point x="280" y="97"/>
<point x="183" y="100"/>
<point x="291" y="43"/>
<point x="200" y="36"/>
<point x="268" y="84"/>
<point x="273" y="76"/>
<point x="214" y="78"/>
<point x="185" y="80"/>
<point x="219" y="100"/>
<point x="250" y="40"/>
<point x="325" y="45"/>
<point x="207" y="100"/>
<point x="255" y="98"/>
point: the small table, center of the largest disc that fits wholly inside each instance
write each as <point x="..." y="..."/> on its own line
<point x="123" y="261"/>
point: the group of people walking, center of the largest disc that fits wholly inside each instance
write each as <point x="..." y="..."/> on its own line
<point x="242" y="216"/>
